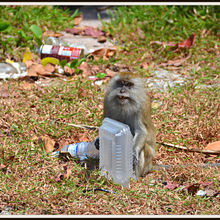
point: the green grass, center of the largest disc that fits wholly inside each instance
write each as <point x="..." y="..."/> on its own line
<point x="188" y="116"/>
<point x="167" y="24"/>
<point x="20" y="18"/>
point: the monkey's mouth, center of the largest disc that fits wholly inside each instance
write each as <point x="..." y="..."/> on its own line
<point x="123" y="99"/>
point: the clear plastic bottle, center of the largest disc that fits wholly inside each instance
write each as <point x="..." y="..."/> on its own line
<point x="116" y="149"/>
<point x="82" y="150"/>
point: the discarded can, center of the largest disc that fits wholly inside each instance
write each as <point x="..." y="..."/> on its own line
<point x="60" y="52"/>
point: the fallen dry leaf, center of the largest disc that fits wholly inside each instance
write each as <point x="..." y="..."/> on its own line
<point x="75" y="30"/>
<point x="26" y="85"/>
<point x="101" y="39"/>
<point x="110" y="73"/>
<point x="48" y="143"/>
<point x="145" y="65"/>
<point x="213" y="146"/>
<point x="33" y="69"/>
<point x="83" y="137"/>
<point x="28" y="63"/>
<point x="65" y="175"/>
<point x="93" y="32"/>
<point x="189" y="42"/>
<point x="78" y="19"/>
<point x="177" y="62"/>
<point x="140" y="33"/>
<point x="2" y="166"/>
<point x="211" y="192"/>
<point x="82" y="92"/>
<point x="193" y="188"/>
<point x="4" y="92"/>
<point x="38" y="69"/>
<point x="171" y="185"/>
<point x="104" y="52"/>
<point x="68" y="70"/>
<point x="206" y="183"/>
<point x="49" y="33"/>
<point x="85" y="68"/>
<point x="49" y="68"/>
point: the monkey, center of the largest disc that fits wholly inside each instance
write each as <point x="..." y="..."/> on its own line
<point x="126" y="100"/>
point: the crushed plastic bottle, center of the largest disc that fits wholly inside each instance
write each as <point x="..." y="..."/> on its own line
<point x="116" y="149"/>
<point x="12" y="70"/>
<point x="82" y="150"/>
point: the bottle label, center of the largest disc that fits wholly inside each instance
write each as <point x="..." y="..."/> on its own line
<point x="72" y="52"/>
<point x="74" y="149"/>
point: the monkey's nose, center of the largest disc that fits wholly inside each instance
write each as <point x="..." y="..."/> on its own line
<point x="122" y="90"/>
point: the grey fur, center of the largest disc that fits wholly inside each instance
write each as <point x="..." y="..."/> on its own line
<point x="129" y="110"/>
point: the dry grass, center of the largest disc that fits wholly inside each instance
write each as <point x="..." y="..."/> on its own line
<point x="188" y="116"/>
<point x="28" y="179"/>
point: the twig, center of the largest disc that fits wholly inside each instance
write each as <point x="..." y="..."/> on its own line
<point x="191" y="150"/>
<point x="166" y="167"/>
<point x="83" y="126"/>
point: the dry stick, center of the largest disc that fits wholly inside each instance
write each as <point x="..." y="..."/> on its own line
<point x="191" y="150"/>
<point x="165" y="144"/>
<point x="161" y="166"/>
<point x="157" y="167"/>
<point x="83" y="126"/>
<point x="166" y="167"/>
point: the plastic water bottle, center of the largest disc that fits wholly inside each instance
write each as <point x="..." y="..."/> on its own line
<point x="116" y="149"/>
<point x="82" y="150"/>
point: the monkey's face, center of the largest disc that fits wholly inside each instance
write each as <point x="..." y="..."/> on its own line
<point x="124" y="95"/>
<point x="124" y="91"/>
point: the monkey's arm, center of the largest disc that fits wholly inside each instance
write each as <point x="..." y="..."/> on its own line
<point x="139" y="139"/>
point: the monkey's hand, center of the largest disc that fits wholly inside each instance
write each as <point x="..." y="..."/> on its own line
<point x="138" y="160"/>
<point x="135" y="165"/>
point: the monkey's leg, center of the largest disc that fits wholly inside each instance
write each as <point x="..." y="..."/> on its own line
<point x="148" y="157"/>
<point x="143" y="165"/>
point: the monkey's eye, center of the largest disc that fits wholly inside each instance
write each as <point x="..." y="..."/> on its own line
<point x="130" y="84"/>
<point x="125" y="83"/>
<point x="121" y="83"/>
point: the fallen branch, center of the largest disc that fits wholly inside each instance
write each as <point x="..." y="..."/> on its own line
<point x="167" y="167"/>
<point x="191" y="150"/>
<point x="165" y="144"/>
<point x="189" y="42"/>
<point x="83" y="126"/>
